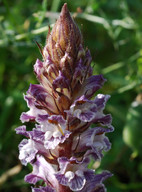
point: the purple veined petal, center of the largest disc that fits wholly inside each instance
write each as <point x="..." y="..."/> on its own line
<point x="101" y="100"/>
<point x="63" y="163"/>
<point x="30" y="115"/>
<point x="43" y="99"/>
<point x="33" y="112"/>
<point x="78" y="70"/>
<point x="30" y="147"/>
<point x="53" y="142"/>
<point x="100" y="130"/>
<point x="51" y="123"/>
<point x="81" y="109"/>
<point x="42" y="170"/>
<point x="98" y="141"/>
<point x="25" y="117"/>
<point x="58" y="119"/>
<point x="95" y="184"/>
<point x="43" y="189"/>
<point x="89" y="174"/>
<point x="54" y="129"/>
<point x="73" y="181"/>
<point x="27" y="151"/>
<point x="102" y="176"/>
<point x="104" y="120"/>
<point x="107" y="144"/>
<point x="41" y="72"/>
<point x="38" y="68"/>
<point x="76" y="181"/>
<point x="80" y="179"/>
<point x="91" y="85"/>
<point x="32" y="178"/>
<point x="82" y="70"/>
<point x="22" y="131"/>
<point x="30" y="100"/>
<point x="93" y="142"/>
<point x="51" y="71"/>
<point x="37" y="91"/>
<point x="62" y="179"/>
<point x="42" y="118"/>
<point x="84" y="116"/>
<point x="61" y="84"/>
<point x="90" y="110"/>
<point x="35" y="134"/>
<point x="72" y="173"/>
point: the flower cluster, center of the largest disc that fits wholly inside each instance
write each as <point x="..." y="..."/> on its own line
<point x="62" y="142"/>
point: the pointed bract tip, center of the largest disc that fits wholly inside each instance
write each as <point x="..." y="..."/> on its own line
<point x="64" y="10"/>
<point x="65" y="7"/>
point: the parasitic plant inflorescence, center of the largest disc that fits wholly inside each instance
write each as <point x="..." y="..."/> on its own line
<point x="61" y="144"/>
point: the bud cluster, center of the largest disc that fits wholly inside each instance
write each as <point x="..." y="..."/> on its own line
<point x="62" y="143"/>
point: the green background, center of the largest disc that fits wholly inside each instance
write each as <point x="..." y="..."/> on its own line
<point x="112" y="30"/>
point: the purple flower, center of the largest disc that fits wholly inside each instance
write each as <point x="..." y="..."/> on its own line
<point x="54" y="129"/>
<point x="73" y="173"/>
<point x="89" y="110"/>
<point x="92" y="142"/>
<point x="62" y="142"/>
<point x="95" y="184"/>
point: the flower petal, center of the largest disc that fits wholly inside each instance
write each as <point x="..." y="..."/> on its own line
<point x="27" y="151"/>
<point x="91" y="85"/>
<point x="73" y="173"/>
<point x="43" y="100"/>
<point x="92" y="142"/>
<point x="42" y="170"/>
<point x="90" y="110"/>
<point x="95" y="184"/>
<point x="43" y="189"/>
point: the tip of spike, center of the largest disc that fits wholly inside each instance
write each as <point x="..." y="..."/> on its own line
<point x="63" y="43"/>
<point x="65" y="11"/>
<point x="65" y="7"/>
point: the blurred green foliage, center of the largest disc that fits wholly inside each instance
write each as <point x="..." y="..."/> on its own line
<point x="112" y="30"/>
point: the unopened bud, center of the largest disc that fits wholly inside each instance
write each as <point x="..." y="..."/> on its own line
<point x="63" y="44"/>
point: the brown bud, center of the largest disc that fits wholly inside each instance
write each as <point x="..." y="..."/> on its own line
<point x="63" y="43"/>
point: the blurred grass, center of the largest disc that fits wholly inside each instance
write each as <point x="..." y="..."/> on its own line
<point x="112" y="30"/>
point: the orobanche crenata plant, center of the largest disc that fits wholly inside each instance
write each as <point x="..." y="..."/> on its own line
<point x="62" y="143"/>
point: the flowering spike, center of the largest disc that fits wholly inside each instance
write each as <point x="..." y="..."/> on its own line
<point x="62" y="143"/>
